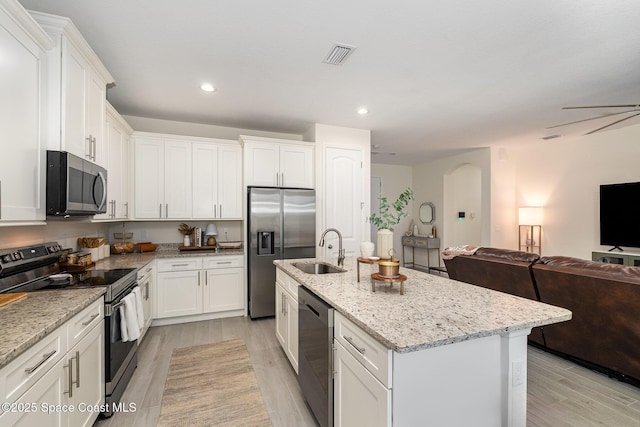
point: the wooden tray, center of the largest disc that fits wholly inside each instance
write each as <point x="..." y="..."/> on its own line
<point x="9" y="298"/>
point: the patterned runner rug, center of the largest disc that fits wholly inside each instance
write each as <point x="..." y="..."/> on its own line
<point x="212" y="385"/>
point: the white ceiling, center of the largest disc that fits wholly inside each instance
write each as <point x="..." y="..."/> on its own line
<point x="437" y="76"/>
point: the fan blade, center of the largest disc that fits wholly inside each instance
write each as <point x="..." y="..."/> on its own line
<point x="611" y="124"/>
<point x="604" y="106"/>
<point x="592" y="118"/>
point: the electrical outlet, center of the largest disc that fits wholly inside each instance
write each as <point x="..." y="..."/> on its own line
<point x="518" y="373"/>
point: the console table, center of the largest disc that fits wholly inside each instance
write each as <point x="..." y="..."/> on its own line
<point x="420" y="242"/>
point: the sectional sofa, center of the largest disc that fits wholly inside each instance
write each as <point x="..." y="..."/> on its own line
<point x="604" y="333"/>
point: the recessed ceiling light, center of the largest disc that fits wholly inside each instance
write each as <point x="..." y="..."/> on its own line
<point x="207" y="87"/>
<point x="363" y="111"/>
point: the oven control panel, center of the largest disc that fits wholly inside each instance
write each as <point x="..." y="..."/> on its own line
<point x="19" y="256"/>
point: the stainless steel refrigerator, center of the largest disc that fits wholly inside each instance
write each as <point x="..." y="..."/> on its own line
<point x="281" y="225"/>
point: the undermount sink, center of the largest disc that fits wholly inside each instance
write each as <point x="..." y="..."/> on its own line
<point x="317" y="268"/>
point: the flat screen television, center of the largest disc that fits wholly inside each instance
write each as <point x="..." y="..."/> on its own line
<point x="620" y="215"/>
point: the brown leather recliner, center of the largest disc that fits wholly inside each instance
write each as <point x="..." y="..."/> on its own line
<point x="605" y="302"/>
<point x="502" y="270"/>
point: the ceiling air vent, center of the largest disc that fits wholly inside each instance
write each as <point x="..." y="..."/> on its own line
<point x="338" y="54"/>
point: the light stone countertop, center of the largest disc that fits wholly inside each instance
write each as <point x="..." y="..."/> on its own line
<point x="27" y="321"/>
<point x="433" y="311"/>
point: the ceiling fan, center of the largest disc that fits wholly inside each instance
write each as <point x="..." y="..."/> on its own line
<point x="634" y="111"/>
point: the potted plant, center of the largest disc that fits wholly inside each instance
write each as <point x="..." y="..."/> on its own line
<point x="389" y="217"/>
<point x="186" y="231"/>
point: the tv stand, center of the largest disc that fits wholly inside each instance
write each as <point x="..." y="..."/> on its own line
<point x="616" y="247"/>
<point x="626" y="258"/>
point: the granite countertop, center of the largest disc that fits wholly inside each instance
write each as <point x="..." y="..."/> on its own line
<point x="27" y="321"/>
<point x="433" y="311"/>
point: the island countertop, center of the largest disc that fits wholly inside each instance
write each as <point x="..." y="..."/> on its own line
<point x="433" y="311"/>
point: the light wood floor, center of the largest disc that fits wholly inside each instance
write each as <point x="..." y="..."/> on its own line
<point x="560" y="393"/>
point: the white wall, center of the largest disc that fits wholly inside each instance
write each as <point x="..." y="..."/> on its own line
<point x="428" y="184"/>
<point x="396" y="179"/>
<point x="463" y="193"/>
<point x="564" y="176"/>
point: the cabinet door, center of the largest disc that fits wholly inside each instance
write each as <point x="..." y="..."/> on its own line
<point x="123" y="206"/>
<point x="114" y="146"/>
<point x="95" y="104"/>
<point x="149" y="178"/>
<point x="49" y="390"/>
<point x="224" y="290"/>
<point x="281" y="318"/>
<point x="359" y="398"/>
<point x="205" y="181"/>
<point x="262" y="164"/>
<point x="229" y="182"/>
<point x="296" y="166"/>
<point x="87" y="363"/>
<point x="177" y="180"/>
<point x="179" y="293"/>
<point x="21" y="172"/>
<point x="75" y="77"/>
<point x="292" y="330"/>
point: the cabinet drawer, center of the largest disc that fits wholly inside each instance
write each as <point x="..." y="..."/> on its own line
<point x="374" y="356"/>
<point x="288" y="283"/>
<point x="84" y="321"/>
<point x="24" y="371"/>
<point x="223" y="261"/>
<point x="180" y="264"/>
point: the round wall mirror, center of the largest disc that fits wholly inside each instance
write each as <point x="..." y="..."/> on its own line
<point x="427" y="213"/>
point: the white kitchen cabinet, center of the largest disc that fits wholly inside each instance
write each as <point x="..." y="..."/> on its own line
<point x="146" y="281"/>
<point x="287" y="316"/>
<point x="205" y="287"/>
<point x="23" y="61"/>
<point x="77" y="86"/>
<point x="117" y="137"/>
<point x="278" y="163"/>
<point x="64" y="368"/>
<point x="359" y="398"/>
<point x="162" y="178"/>
<point x="217" y="180"/>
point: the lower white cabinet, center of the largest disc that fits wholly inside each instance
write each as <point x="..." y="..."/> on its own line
<point x="191" y="286"/>
<point x="146" y="280"/>
<point x="359" y="398"/>
<point x="64" y="368"/>
<point x="287" y="316"/>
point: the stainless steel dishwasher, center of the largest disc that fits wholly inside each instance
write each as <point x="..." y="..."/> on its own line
<point x="315" y="355"/>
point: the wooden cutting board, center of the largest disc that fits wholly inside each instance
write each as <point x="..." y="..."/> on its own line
<point x="9" y="298"/>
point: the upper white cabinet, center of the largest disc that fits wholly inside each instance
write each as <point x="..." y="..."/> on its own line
<point x="77" y="85"/>
<point x="272" y="162"/>
<point x="217" y="180"/>
<point x="162" y="178"/>
<point x="23" y="60"/>
<point x="178" y="177"/>
<point x="117" y="139"/>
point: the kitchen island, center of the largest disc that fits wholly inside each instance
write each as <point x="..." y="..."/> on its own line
<point x="457" y="353"/>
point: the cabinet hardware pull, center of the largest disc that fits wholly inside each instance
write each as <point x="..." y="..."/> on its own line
<point x="166" y="210"/>
<point x="215" y="211"/>
<point x="88" y="139"/>
<point x="220" y="210"/>
<point x="224" y="262"/>
<point x="45" y="357"/>
<point x="160" y="210"/>
<point x="91" y="319"/>
<point x="282" y="180"/>
<point x="126" y="215"/>
<point x="70" y="392"/>
<point x="180" y="265"/>
<point x="78" y="368"/>
<point x="286" y="304"/>
<point x="146" y="291"/>
<point x="361" y="350"/>
<point x="198" y="279"/>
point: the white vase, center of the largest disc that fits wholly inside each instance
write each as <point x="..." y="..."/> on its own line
<point x="385" y="243"/>
<point x="367" y="249"/>
<point x="187" y="241"/>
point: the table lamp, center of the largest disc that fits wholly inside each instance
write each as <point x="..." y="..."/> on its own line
<point x="211" y="232"/>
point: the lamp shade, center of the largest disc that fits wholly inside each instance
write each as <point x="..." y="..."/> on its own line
<point x="211" y="230"/>
<point x="530" y="216"/>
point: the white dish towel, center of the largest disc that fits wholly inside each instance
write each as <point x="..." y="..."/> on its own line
<point x="139" y="311"/>
<point x="129" y="329"/>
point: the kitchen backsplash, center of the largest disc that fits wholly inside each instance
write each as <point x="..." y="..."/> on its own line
<point x="64" y="232"/>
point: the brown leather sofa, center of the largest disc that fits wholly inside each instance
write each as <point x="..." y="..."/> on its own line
<point x="501" y="270"/>
<point x="605" y="302"/>
<point x="604" y="332"/>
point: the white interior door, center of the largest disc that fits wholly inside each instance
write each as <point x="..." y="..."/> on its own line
<point x="344" y="201"/>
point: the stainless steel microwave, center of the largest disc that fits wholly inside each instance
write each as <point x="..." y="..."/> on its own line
<point x="75" y="186"/>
